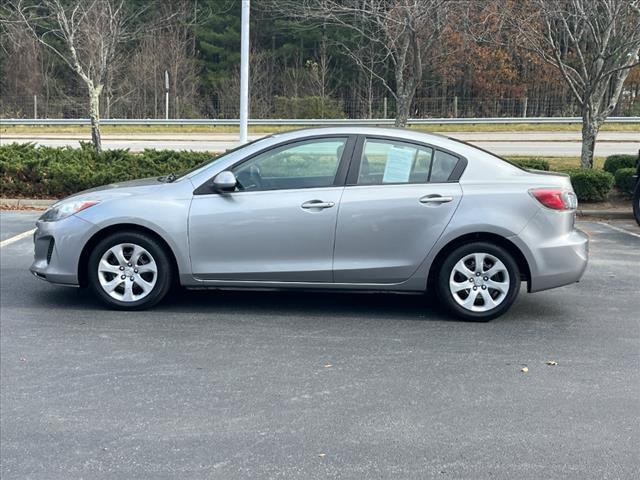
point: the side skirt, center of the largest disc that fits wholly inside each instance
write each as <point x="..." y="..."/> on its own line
<point x="410" y="286"/>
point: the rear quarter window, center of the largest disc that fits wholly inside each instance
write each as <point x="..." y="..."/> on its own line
<point x="443" y="165"/>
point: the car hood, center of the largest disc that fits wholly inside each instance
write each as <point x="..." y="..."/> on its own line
<point x="119" y="189"/>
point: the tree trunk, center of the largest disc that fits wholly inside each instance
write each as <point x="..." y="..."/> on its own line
<point x="94" y="115"/>
<point x="590" y="128"/>
<point x="403" y="104"/>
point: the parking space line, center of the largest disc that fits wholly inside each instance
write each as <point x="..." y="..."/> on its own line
<point x="16" y="238"/>
<point x="618" y="229"/>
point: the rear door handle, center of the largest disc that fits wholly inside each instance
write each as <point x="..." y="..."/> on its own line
<point x="311" y="204"/>
<point x="435" y="199"/>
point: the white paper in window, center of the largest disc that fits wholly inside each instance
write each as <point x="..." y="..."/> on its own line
<point x="398" y="167"/>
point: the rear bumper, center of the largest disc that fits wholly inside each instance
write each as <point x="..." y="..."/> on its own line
<point x="561" y="261"/>
<point x="556" y="251"/>
<point x="57" y="249"/>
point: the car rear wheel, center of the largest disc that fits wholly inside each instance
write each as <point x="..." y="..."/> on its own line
<point x="129" y="271"/>
<point x="478" y="281"/>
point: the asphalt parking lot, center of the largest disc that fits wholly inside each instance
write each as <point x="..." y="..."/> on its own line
<point x="315" y="385"/>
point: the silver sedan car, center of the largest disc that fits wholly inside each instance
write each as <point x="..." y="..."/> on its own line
<point x="347" y="208"/>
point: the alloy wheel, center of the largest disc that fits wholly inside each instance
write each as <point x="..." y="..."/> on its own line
<point x="479" y="282"/>
<point x="127" y="272"/>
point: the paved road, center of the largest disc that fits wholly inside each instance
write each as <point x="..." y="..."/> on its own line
<point x="237" y="385"/>
<point x="502" y="143"/>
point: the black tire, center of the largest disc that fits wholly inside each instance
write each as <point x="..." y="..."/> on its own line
<point x="636" y="201"/>
<point x="506" y="299"/>
<point x="163" y="274"/>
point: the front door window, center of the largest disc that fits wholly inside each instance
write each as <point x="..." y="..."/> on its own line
<point x="307" y="164"/>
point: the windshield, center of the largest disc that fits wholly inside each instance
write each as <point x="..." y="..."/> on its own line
<point x="219" y="157"/>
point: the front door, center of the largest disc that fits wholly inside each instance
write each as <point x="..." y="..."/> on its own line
<point x="279" y="224"/>
<point x="393" y="210"/>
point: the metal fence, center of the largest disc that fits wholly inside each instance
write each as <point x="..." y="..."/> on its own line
<point x="41" y="106"/>
<point x="304" y="121"/>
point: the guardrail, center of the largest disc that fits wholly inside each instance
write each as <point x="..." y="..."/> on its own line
<point x="302" y="121"/>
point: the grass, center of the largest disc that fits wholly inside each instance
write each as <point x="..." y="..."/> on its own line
<point x="213" y="129"/>
<point x="562" y="163"/>
<point x="525" y="127"/>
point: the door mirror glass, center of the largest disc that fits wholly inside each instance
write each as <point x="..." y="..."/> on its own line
<point x="225" y="181"/>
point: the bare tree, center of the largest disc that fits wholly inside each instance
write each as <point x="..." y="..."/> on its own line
<point x="402" y="34"/>
<point x="27" y="74"/>
<point x="593" y="44"/>
<point x="227" y="91"/>
<point x="320" y="71"/>
<point x="367" y="81"/>
<point x="86" y="34"/>
<point x="144" y="81"/>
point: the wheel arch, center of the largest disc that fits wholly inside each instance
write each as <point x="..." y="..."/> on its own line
<point x="118" y="228"/>
<point x="508" y="245"/>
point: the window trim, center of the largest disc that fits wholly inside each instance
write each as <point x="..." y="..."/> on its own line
<point x="356" y="159"/>
<point x="338" y="181"/>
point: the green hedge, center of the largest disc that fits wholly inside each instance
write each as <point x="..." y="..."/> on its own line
<point x="533" y="163"/>
<point x="30" y="171"/>
<point x="625" y="179"/>
<point x="591" y="185"/>
<point x="613" y="163"/>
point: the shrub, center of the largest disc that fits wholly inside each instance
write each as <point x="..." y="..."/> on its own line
<point x="27" y="170"/>
<point x="615" y="162"/>
<point x="307" y="107"/>
<point x="591" y="185"/>
<point x="534" y="163"/>
<point x="625" y="179"/>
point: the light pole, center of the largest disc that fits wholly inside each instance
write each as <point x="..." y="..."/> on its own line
<point x="244" y="71"/>
<point x="166" y="95"/>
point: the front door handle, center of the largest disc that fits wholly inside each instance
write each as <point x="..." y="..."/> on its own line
<point x="435" y="199"/>
<point x="311" y="204"/>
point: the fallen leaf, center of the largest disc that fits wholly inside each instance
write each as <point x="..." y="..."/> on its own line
<point x="524" y="369"/>
<point x="551" y="362"/>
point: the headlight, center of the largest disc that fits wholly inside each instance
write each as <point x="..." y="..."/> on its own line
<point x="65" y="209"/>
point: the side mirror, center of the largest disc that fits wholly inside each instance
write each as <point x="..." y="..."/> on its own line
<point x="225" y="181"/>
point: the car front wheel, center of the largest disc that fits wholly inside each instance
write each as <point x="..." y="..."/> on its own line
<point x="478" y="281"/>
<point x="129" y="271"/>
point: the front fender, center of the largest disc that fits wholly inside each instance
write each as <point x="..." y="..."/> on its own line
<point x="167" y="217"/>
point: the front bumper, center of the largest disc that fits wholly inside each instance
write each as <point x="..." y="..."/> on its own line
<point x="57" y="249"/>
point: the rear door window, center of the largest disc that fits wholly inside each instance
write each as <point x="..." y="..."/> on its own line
<point x="396" y="162"/>
<point x="391" y="162"/>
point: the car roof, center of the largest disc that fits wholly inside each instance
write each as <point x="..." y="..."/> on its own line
<point x="399" y="133"/>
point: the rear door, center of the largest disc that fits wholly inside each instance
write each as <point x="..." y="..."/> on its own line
<point x="399" y="198"/>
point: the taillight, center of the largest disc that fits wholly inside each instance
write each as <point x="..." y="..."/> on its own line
<point x="555" y="198"/>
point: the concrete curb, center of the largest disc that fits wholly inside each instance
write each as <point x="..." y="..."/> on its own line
<point x="27" y="202"/>
<point x="607" y="214"/>
<point x="40" y="203"/>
